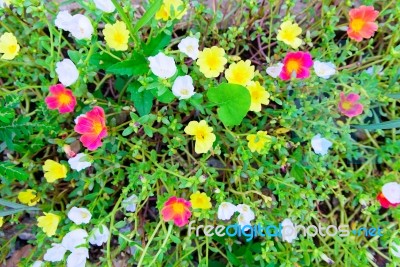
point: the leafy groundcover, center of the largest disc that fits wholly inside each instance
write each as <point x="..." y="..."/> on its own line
<point x="199" y="133"/>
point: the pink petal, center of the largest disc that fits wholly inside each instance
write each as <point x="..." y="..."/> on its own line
<point x="90" y="141"/>
<point x="167" y="213"/>
<point x="51" y="102"/>
<point x="57" y="89"/>
<point x="84" y="125"/>
<point x="352" y="97"/>
<point x="306" y="60"/>
<point x="303" y="73"/>
<point x="355" y="110"/>
<point x="369" y="30"/>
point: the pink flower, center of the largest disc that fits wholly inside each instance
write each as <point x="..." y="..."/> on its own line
<point x="178" y="210"/>
<point x="349" y="105"/>
<point x="92" y="126"/>
<point x="60" y="98"/>
<point x="298" y="62"/>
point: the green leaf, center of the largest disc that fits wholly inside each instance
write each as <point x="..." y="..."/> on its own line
<point x="137" y="65"/>
<point x="394" y="95"/>
<point x="102" y="60"/>
<point x="143" y="101"/>
<point x="233" y="101"/>
<point x="148" y="15"/>
<point x="10" y="172"/>
<point x="6" y="115"/>
<point x="156" y="44"/>
<point x="120" y="224"/>
<point x="383" y="125"/>
<point x="127" y="131"/>
<point x="167" y="97"/>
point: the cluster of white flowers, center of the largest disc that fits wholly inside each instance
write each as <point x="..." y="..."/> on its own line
<point x="322" y="69"/>
<point x="78" y="25"/>
<point x="164" y="67"/>
<point x="227" y="209"/>
<point x="76" y="241"/>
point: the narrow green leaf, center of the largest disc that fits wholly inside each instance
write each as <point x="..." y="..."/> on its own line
<point x="383" y="125"/>
<point x="148" y="15"/>
<point x="11" y="172"/>
<point x="157" y="44"/>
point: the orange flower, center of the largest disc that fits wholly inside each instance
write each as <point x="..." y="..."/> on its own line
<point x="362" y="23"/>
<point x="177" y="210"/>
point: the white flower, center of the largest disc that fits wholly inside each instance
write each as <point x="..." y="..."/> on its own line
<point x="97" y="238"/>
<point x="326" y="258"/>
<point x="226" y="210"/>
<point x="324" y="69"/>
<point x="275" y="70"/>
<point x="78" y="162"/>
<point x="63" y="20"/>
<point x="55" y="253"/>
<point x="246" y="211"/>
<point x="375" y="70"/>
<point x="78" y="257"/>
<point x="288" y="231"/>
<point x="391" y="191"/>
<point x="81" y="27"/>
<point x="243" y="220"/>
<point x="105" y="5"/>
<point x="190" y="47"/>
<point x="183" y="87"/>
<point x="130" y="203"/>
<point x="79" y="215"/>
<point x="320" y="145"/>
<point x="74" y="238"/>
<point x="37" y="264"/>
<point x="395" y="250"/>
<point x="67" y="72"/>
<point x="162" y="65"/>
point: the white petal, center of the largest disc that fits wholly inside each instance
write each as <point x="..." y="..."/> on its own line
<point x="183" y="87"/>
<point x="395" y="250"/>
<point x="98" y="238"/>
<point x="391" y="191"/>
<point x="190" y="47"/>
<point x="275" y="70"/>
<point x="246" y="211"/>
<point x="320" y="145"/>
<point x="55" y="253"/>
<point x="324" y="69"/>
<point x="226" y="210"/>
<point x="105" y="5"/>
<point x="288" y="231"/>
<point x="78" y="162"/>
<point x="64" y="20"/>
<point x="67" y="72"/>
<point x="38" y="264"/>
<point x="78" y="257"/>
<point x="79" y="215"/>
<point x="162" y="66"/>
<point x="130" y="203"/>
<point x="243" y="221"/>
<point x="82" y="27"/>
<point x="74" y="238"/>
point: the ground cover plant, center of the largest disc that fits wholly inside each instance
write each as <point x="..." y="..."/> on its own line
<point x="199" y="133"/>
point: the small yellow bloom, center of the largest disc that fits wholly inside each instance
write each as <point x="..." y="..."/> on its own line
<point x="177" y="6"/>
<point x="1" y="221"/>
<point x="257" y="141"/>
<point x="9" y="46"/>
<point x="258" y="96"/>
<point x="116" y="36"/>
<point x="202" y="134"/>
<point x="240" y="73"/>
<point x="28" y="197"/>
<point x="211" y="61"/>
<point x="288" y="34"/>
<point x="54" y="170"/>
<point x="200" y="201"/>
<point x="48" y="223"/>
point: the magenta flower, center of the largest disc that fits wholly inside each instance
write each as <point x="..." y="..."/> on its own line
<point x="297" y="62"/>
<point x="349" y="105"/>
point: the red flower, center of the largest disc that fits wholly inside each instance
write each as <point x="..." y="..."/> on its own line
<point x="60" y="98"/>
<point x="362" y="23"/>
<point x="178" y="210"/>
<point x="385" y="203"/>
<point x="92" y="126"/>
<point x="298" y="62"/>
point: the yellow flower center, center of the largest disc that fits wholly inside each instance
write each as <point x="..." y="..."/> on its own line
<point x="64" y="99"/>
<point x="190" y="48"/>
<point x="346" y="105"/>
<point x="211" y="61"/>
<point x="178" y="208"/>
<point x="84" y="215"/>
<point x="119" y="38"/>
<point x="288" y="35"/>
<point x="357" y="24"/>
<point x="12" y="48"/>
<point x="256" y="95"/>
<point x="200" y="134"/>
<point x="97" y="127"/>
<point x="293" y="65"/>
<point x="184" y="92"/>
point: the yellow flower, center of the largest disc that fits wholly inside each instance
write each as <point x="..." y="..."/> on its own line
<point x="1" y="221"/>
<point x="211" y="61"/>
<point x="257" y="141"/>
<point x="258" y="96"/>
<point x="177" y="6"/>
<point x="48" y="223"/>
<point x="116" y="36"/>
<point x="9" y="46"/>
<point x="240" y="73"/>
<point x="28" y="197"/>
<point x="54" y="170"/>
<point x="202" y="134"/>
<point x="288" y="34"/>
<point x="200" y="201"/>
